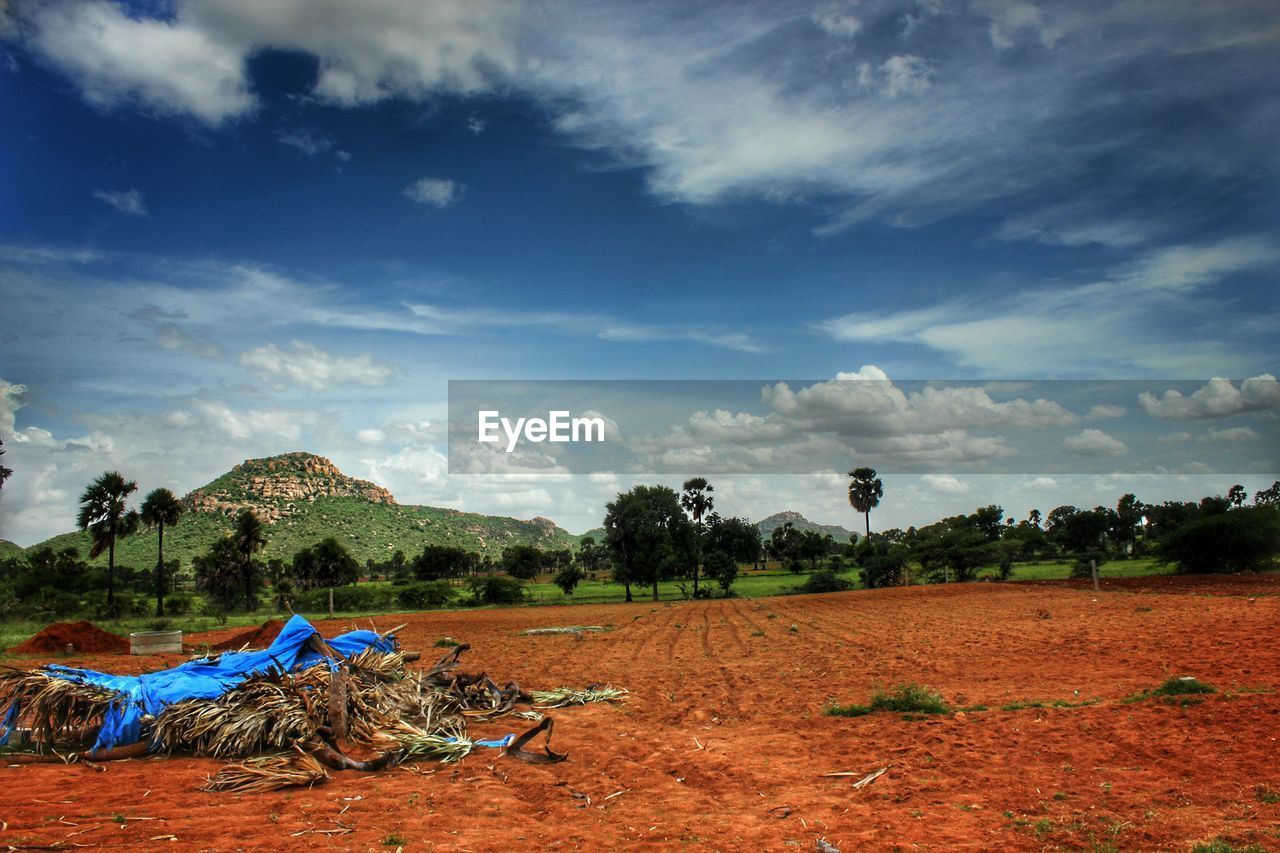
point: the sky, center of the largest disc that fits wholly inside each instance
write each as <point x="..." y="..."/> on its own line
<point x="230" y="229"/>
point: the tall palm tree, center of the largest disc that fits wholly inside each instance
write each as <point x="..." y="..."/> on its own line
<point x="161" y="509"/>
<point x="697" y="501"/>
<point x="105" y="514"/>
<point x="249" y="540"/>
<point x="865" y="491"/>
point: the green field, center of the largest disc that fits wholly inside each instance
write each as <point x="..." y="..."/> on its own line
<point x="544" y="592"/>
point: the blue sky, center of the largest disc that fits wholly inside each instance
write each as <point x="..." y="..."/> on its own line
<point x="231" y="228"/>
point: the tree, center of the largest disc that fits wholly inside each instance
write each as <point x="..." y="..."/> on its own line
<point x="785" y="543"/>
<point x="568" y="578"/>
<point x="249" y="539"/>
<point x="1034" y="517"/>
<point x="1128" y="515"/>
<point x="220" y="576"/>
<point x="161" y="509"/>
<point x="865" y="491"/>
<point x="1268" y="497"/>
<point x="1243" y="540"/>
<point x="439" y="562"/>
<point x="1237" y="495"/>
<point x="697" y="501"/>
<point x="5" y="473"/>
<point x="521" y="561"/>
<point x="589" y="555"/>
<point x="728" y="542"/>
<point x="648" y="536"/>
<point x="325" y="564"/>
<point x="104" y="513"/>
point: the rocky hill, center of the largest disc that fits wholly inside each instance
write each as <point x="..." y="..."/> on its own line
<point x="767" y="525"/>
<point x="302" y="499"/>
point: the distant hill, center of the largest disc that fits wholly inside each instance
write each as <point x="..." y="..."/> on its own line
<point x="10" y="549"/>
<point x="768" y="525"/>
<point x="302" y="499"/>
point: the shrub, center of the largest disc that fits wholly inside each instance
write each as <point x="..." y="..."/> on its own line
<point x="825" y="580"/>
<point x="1185" y="686"/>
<point x="495" y="589"/>
<point x="905" y="698"/>
<point x="177" y="605"/>
<point x="1241" y="540"/>
<point x="1081" y="568"/>
<point x="568" y="578"/>
<point x="425" y="595"/>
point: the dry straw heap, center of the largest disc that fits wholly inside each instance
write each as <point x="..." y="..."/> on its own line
<point x="365" y="711"/>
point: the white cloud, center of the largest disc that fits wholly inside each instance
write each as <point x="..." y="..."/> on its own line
<point x="129" y="201"/>
<point x="1104" y="411"/>
<point x="1103" y="326"/>
<point x="434" y="192"/>
<point x="944" y="484"/>
<point x="1232" y="435"/>
<point x="173" y="67"/>
<point x="312" y="367"/>
<point x="1094" y="443"/>
<point x="311" y="143"/>
<point x="1218" y="398"/>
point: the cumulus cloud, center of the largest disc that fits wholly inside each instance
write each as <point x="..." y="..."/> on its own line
<point x="434" y="192"/>
<point x="1218" y="398"/>
<point x="1094" y="443"/>
<point x="311" y="367"/>
<point x="129" y="202"/>
<point x="10" y="402"/>
<point x="172" y="67"/>
<point x="311" y="143"/>
<point x="1104" y="411"/>
<point x="944" y="484"/>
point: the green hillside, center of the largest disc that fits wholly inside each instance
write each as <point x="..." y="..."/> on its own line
<point x="302" y="499"/>
<point x="9" y="549"/>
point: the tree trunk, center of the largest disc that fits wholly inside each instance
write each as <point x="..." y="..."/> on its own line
<point x="111" y="577"/>
<point x="867" y="514"/>
<point x="627" y="584"/>
<point x="695" y="578"/>
<point x="160" y="575"/>
<point x="655" y="586"/>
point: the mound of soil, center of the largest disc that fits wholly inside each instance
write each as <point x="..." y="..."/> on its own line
<point x="84" y="636"/>
<point x="254" y="638"/>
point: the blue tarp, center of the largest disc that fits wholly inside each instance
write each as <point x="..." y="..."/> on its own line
<point x="207" y="678"/>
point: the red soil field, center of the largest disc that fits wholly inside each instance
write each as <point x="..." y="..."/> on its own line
<point x="723" y="741"/>
<point x="254" y="638"/>
<point x="85" y="637"/>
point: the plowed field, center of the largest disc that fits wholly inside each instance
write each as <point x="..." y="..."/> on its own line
<point x="723" y="741"/>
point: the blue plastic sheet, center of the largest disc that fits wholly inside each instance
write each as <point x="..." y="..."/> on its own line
<point x="207" y="678"/>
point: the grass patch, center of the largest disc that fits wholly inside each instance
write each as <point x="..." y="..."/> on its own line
<point x="1184" y="686"/>
<point x="1220" y="846"/>
<point x="1267" y="795"/>
<point x="903" y="699"/>
<point x="446" y="643"/>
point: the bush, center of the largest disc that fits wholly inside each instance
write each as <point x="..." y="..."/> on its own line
<point x="495" y="589"/>
<point x="177" y="605"/>
<point x="425" y="595"/>
<point x="1242" y="540"/>
<point x="568" y="578"/>
<point x="1081" y="568"/>
<point x="825" y="580"/>
<point x="904" y="699"/>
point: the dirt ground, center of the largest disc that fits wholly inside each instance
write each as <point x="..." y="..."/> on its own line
<point x="723" y="741"/>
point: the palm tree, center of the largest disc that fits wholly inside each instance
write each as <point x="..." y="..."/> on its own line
<point x="5" y="473"/>
<point x="865" y="491"/>
<point x="104" y="513"/>
<point x="697" y="501"/>
<point x="249" y="540"/>
<point x="160" y="509"/>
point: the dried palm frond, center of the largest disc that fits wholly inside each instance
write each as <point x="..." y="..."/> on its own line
<point x="446" y="744"/>
<point x="59" y="710"/>
<point x="269" y="773"/>
<point x="563" y="696"/>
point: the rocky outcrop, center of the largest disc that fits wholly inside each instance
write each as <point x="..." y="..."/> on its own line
<point x="277" y="486"/>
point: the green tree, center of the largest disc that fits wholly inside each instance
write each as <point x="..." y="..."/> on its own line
<point x="728" y="542"/>
<point x="696" y="500"/>
<point x="1129" y="512"/>
<point x="1269" y="496"/>
<point x="105" y="514"/>
<point x="568" y="578"/>
<point x="440" y="562"/>
<point x="1237" y="495"/>
<point x="325" y="564"/>
<point x="648" y="536"/>
<point x="220" y="574"/>
<point x="785" y="542"/>
<point x="249" y="538"/>
<point x="5" y="473"/>
<point x="161" y="509"/>
<point x="1034" y="518"/>
<point x="590" y="554"/>
<point x="521" y="561"/>
<point x="865" y="491"/>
